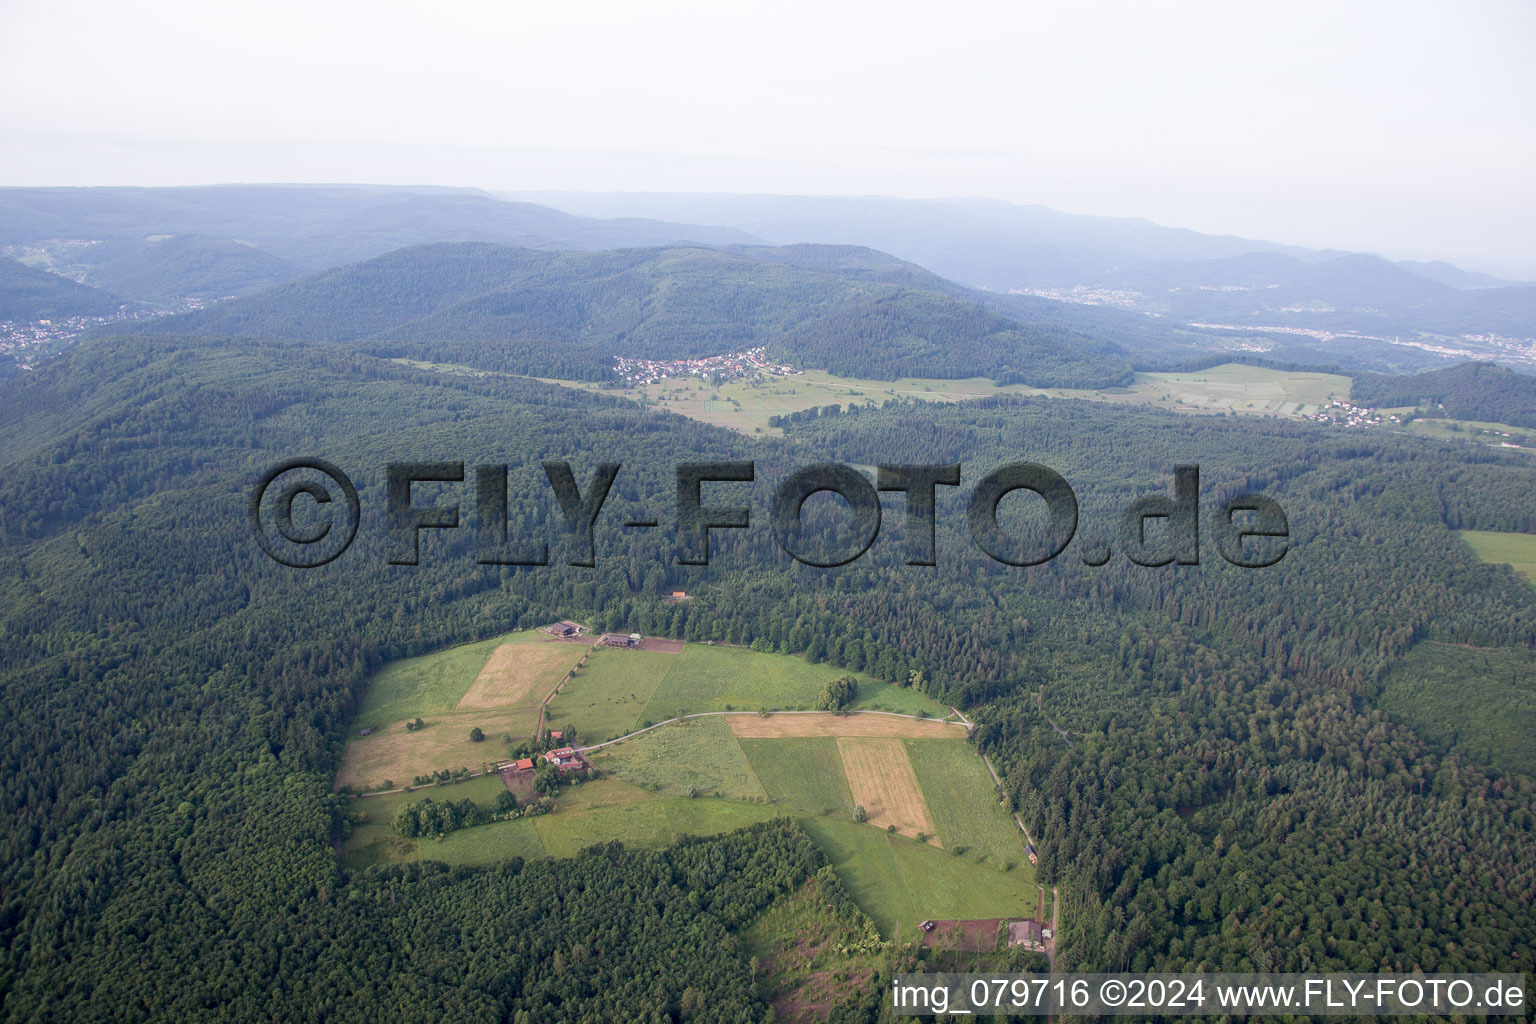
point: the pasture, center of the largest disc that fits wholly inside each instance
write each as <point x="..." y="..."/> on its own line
<point x="779" y="726"/>
<point x="1517" y="550"/>
<point x="701" y="776"/>
<point x="397" y="755"/>
<point x="1250" y="390"/>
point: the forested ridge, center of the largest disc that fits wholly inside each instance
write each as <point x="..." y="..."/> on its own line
<point x="1471" y="391"/>
<point x="176" y="702"/>
<point x="676" y="302"/>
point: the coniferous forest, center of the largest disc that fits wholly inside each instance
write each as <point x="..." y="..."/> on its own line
<point x="1201" y="749"/>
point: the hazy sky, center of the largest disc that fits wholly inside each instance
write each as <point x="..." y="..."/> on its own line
<point x="1404" y="128"/>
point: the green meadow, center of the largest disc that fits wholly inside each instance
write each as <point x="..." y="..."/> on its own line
<point x="1517" y="550"/>
<point x="697" y="777"/>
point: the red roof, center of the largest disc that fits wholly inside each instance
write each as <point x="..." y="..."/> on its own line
<point x="524" y="764"/>
<point x="562" y="752"/>
<point x="557" y="735"/>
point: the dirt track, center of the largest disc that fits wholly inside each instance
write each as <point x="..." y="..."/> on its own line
<point x="783" y="724"/>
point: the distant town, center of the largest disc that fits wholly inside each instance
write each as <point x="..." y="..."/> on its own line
<point x="716" y="369"/>
<point x="28" y="343"/>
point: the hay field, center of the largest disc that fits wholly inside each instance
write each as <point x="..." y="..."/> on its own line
<point x="881" y="779"/>
<point x="519" y="674"/>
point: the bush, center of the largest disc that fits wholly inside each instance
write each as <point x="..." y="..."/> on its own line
<point x="475" y="735"/>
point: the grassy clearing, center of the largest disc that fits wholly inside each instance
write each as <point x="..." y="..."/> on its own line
<point x="373" y="841"/>
<point x="813" y="960"/>
<point x="881" y="779"/>
<point x="1478" y="702"/>
<point x="430" y="684"/>
<point x="701" y="753"/>
<point x="398" y="755"/>
<point x="964" y="803"/>
<point x="607" y="696"/>
<point x="650" y="824"/>
<point x="522" y="673"/>
<point x="1471" y="430"/>
<point x="801" y="776"/>
<point x="731" y="678"/>
<point x="1517" y="550"/>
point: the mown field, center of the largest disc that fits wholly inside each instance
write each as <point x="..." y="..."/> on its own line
<point x="1517" y="550"/>
<point x="935" y="843"/>
<point x="618" y="691"/>
<point x="1480" y="702"/>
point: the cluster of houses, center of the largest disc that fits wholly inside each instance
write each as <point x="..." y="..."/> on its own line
<point x="1342" y="414"/>
<point x="28" y="341"/>
<point x="733" y="366"/>
<point x="565" y="759"/>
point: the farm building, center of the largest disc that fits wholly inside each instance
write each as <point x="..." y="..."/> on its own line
<point x="1029" y="851"/>
<point x="524" y="764"/>
<point x="1027" y="934"/>
<point x="566" y="759"/>
<point x="619" y="640"/>
<point x="565" y="628"/>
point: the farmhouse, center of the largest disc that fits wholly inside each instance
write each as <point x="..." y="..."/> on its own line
<point x="619" y="640"/>
<point x="524" y="764"/>
<point x="566" y="759"/>
<point x="565" y="628"/>
<point x="1027" y="934"/>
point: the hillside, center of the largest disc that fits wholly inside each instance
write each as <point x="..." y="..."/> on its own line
<point x="27" y="294"/>
<point x="1471" y="391"/>
<point x="184" y="266"/>
<point x="667" y="303"/>
<point x="317" y="227"/>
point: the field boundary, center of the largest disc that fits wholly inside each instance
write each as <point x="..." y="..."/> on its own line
<point x="947" y="719"/>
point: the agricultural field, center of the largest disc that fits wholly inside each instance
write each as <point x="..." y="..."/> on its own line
<point x="747" y="406"/>
<point x="881" y="780"/>
<point x="934" y="844"/>
<point x="397" y="754"/>
<point x="1517" y="550"/>
<point x="1480" y="702"/>
<point x="1251" y="390"/>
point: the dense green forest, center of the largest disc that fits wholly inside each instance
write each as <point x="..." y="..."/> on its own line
<point x="669" y="303"/>
<point x="1229" y="792"/>
<point x="27" y="294"/>
<point x="1471" y="391"/>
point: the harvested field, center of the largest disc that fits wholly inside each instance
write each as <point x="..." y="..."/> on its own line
<point x="783" y="725"/>
<point x="881" y="778"/>
<point x="520" y="674"/>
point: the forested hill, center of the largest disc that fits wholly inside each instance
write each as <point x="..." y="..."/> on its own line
<point x="1471" y="391"/>
<point x="27" y="294"/>
<point x="175" y="702"/>
<point x="665" y="303"/>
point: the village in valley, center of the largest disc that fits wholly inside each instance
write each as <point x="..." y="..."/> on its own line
<point x="715" y="369"/>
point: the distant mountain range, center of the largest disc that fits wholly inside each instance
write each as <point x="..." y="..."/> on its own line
<point x="1164" y="296"/>
<point x="1138" y="267"/>
<point x="557" y="312"/>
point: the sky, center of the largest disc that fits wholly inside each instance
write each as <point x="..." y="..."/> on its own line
<point x="1404" y="128"/>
